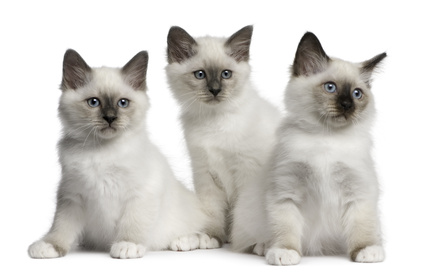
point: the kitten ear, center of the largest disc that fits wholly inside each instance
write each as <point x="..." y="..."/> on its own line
<point x="310" y="57"/>
<point x="76" y="73"/>
<point x="180" y="45"/>
<point x="369" y="66"/>
<point x="135" y="70"/>
<point x="239" y="44"/>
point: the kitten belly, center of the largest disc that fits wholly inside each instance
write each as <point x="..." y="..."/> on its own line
<point x="322" y="234"/>
<point x="323" y="209"/>
<point x="103" y="192"/>
<point x="329" y="188"/>
<point x="102" y="215"/>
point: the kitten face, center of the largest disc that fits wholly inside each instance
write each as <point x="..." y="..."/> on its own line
<point x="102" y="103"/>
<point x="332" y="92"/>
<point x="207" y="70"/>
<point x="342" y="97"/>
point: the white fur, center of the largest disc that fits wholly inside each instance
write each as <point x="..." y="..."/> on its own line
<point x="327" y="214"/>
<point x="127" y="250"/>
<point x="371" y="254"/>
<point x="278" y="256"/>
<point x="322" y="204"/>
<point x="43" y="250"/>
<point x="228" y="141"/>
<point x="117" y="192"/>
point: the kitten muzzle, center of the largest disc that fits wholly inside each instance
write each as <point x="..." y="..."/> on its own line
<point x="215" y="91"/>
<point x="110" y="119"/>
<point x="346" y="105"/>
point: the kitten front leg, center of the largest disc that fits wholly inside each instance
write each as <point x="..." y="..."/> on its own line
<point x="133" y="229"/>
<point x="211" y="193"/>
<point x="283" y="198"/>
<point x="213" y="199"/>
<point x="286" y="224"/>
<point x="363" y="232"/>
<point x="67" y="224"/>
<point x="194" y="241"/>
<point x="127" y="250"/>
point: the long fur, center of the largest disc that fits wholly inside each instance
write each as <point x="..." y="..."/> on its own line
<point x="321" y="191"/>
<point x="229" y="136"/>
<point x="117" y="192"/>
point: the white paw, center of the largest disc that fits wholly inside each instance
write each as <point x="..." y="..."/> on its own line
<point x="43" y="250"/>
<point x="280" y="256"/>
<point x="185" y="243"/>
<point x="207" y="242"/>
<point x="259" y="249"/>
<point x="370" y="254"/>
<point x="127" y="250"/>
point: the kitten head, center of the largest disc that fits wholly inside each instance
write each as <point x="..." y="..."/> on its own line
<point x="329" y="91"/>
<point x="102" y="103"/>
<point x="207" y="70"/>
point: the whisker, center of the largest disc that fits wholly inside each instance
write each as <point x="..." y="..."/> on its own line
<point x="194" y="99"/>
<point x="92" y="130"/>
<point x="78" y="130"/>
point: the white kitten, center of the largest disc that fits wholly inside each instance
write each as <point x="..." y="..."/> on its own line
<point x="229" y="128"/>
<point x="117" y="192"/>
<point x="322" y="192"/>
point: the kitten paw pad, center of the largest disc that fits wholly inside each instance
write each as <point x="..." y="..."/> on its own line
<point x="185" y="243"/>
<point x="259" y="249"/>
<point x="43" y="250"/>
<point x="127" y="250"/>
<point x="207" y="242"/>
<point x="370" y="254"/>
<point x="279" y="256"/>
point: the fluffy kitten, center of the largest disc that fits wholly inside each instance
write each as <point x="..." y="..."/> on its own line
<point x="117" y="192"/>
<point x="229" y="128"/>
<point x="323" y="191"/>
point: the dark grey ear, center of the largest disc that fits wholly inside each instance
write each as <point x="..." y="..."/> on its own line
<point x="310" y="57"/>
<point x="239" y="44"/>
<point x="135" y="71"/>
<point x="76" y="73"/>
<point x="369" y="66"/>
<point x="180" y="45"/>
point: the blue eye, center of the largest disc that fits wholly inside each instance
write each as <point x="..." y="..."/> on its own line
<point x="226" y="74"/>
<point x="200" y="74"/>
<point x="93" y="102"/>
<point x="357" y="93"/>
<point x="123" y="103"/>
<point x="330" y="87"/>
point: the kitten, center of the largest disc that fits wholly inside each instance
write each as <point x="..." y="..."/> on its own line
<point x="229" y="129"/>
<point x="323" y="191"/>
<point x="117" y="192"/>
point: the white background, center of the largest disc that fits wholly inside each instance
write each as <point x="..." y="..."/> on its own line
<point x="35" y="34"/>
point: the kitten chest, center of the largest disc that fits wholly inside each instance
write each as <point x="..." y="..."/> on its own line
<point x="329" y="186"/>
<point x="333" y="162"/>
<point x="101" y="181"/>
<point x="102" y="185"/>
<point x="104" y="177"/>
